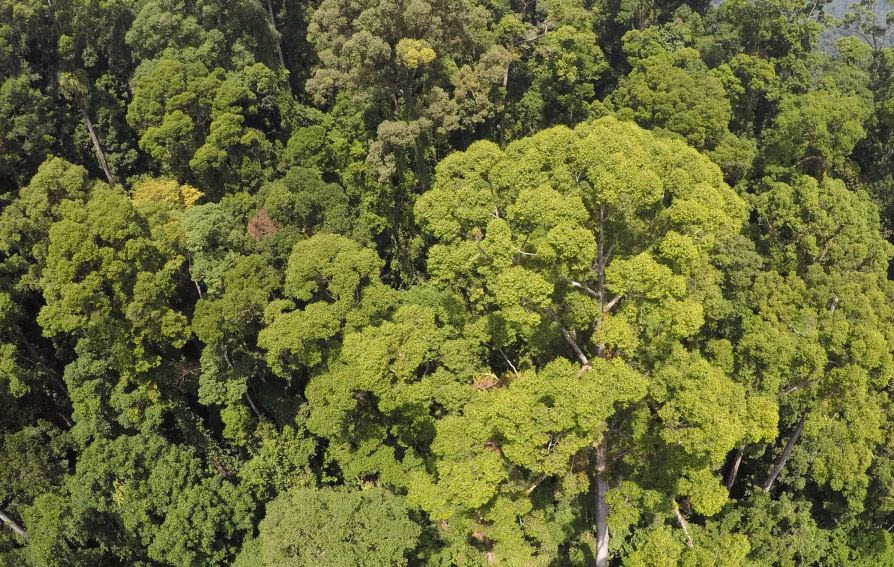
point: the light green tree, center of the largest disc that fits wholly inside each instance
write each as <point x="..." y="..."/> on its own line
<point x="594" y="244"/>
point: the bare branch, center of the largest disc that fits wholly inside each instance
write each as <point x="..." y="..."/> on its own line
<point x="600" y="256"/>
<point x="254" y="408"/>
<point x="570" y="339"/>
<point x="582" y="287"/>
<point x="608" y="254"/>
<point x="535" y="484"/>
<point x="277" y="37"/>
<point x="682" y="521"/>
<point x="537" y="33"/>
<point x="833" y="305"/>
<point x="798" y="386"/>
<point x="483" y="251"/>
<point x="11" y="524"/>
<point x="602" y="479"/>
<point x="612" y="303"/>
<point x="509" y="362"/>
<point x="786" y="453"/>
<point x="224" y="472"/>
<point x="731" y="477"/>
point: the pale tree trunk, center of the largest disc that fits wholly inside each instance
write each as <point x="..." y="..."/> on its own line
<point x="254" y="408"/>
<point x="100" y="155"/>
<point x="11" y="524"/>
<point x="602" y="473"/>
<point x="731" y="477"/>
<point x="682" y="521"/>
<point x="486" y="543"/>
<point x="786" y="453"/>
<point x="601" y="505"/>
<point x="276" y="37"/>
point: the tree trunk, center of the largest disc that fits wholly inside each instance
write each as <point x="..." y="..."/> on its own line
<point x="786" y="453"/>
<point x="731" y="477"/>
<point x="422" y="173"/>
<point x="276" y="38"/>
<point x="601" y="505"/>
<point x="254" y="408"/>
<point x="100" y="155"/>
<point x="486" y="543"/>
<point x="12" y="524"/>
<point x="682" y="521"/>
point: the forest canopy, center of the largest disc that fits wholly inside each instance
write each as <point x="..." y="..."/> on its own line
<point x="446" y="283"/>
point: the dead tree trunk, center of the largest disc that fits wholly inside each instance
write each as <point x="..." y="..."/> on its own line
<point x="601" y="505"/>
<point x="682" y="521"/>
<point x="786" y="453"/>
<point x="11" y="524"/>
<point x="100" y="155"/>
<point x="731" y="477"/>
<point x="276" y="36"/>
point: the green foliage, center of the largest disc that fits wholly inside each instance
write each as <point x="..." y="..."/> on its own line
<point x="676" y="91"/>
<point x="26" y="221"/>
<point x="103" y="267"/>
<point x="27" y="135"/>
<point x="197" y="124"/>
<point x="301" y="201"/>
<point x="335" y="283"/>
<point x="145" y="488"/>
<point x="333" y="528"/>
<point x="446" y="283"/>
<point x="815" y="132"/>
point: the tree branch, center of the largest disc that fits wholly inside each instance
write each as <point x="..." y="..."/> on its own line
<point x="682" y="521"/>
<point x="580" y="286"/>
<point x="277" y="38"/>
<point x="483" y="251"/>
<point x="798" y="386"/>
<point x="520" y="251"/>
<point x="786" y="453"/>
<point x="731" y="477"/>
<point x="535" y="484"/>
<point x="609" y="253"/>
<point x="602" y="478"/>
<point x="11" y="524"/>
<point x="509" y="362"/>
<point x="254" y="408"/>
<point x="608" y="306"/>
<point x="570" y="339"/>
<point x="600" y="255"/>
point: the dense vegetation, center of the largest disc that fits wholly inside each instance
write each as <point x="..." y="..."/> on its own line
<point x="445" y="283"/>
